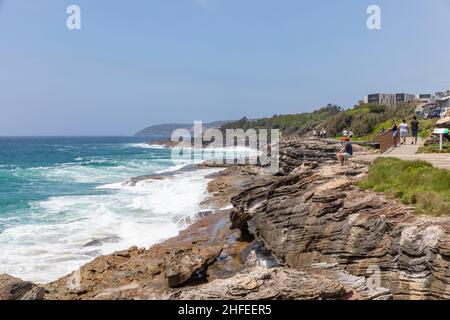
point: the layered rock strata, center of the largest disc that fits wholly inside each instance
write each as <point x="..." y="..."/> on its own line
<point x="317" y="215"/>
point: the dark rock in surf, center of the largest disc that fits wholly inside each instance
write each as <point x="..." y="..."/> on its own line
<point x="99" y="242"/>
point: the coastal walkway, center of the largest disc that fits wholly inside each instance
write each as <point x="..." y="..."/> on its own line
<point x="409" y="152"/>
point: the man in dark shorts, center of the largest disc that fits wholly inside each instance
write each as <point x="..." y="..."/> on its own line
<point x="414" y="130"/>
<point x="345" y="153"/>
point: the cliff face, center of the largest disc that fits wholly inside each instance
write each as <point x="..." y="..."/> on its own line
<point x="315" y="218"/>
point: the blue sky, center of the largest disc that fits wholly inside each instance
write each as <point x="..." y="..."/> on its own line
<point x="141" y="62"/>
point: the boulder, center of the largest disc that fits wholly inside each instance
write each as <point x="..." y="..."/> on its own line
<point x="182" y="265"/>
<point x="12" y="288"/>
<point x="443" y="123"/>
<point x="100" y="241"/>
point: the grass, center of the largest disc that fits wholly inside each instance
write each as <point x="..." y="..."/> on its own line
<point x="426" y="127"/>
<point x="434" y="148"/>
<point x="413" y="183"/>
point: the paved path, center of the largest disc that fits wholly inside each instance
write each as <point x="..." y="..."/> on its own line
<point x="408" y="152"/>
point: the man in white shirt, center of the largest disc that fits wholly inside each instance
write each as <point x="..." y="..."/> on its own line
<point x="345" y="133"/>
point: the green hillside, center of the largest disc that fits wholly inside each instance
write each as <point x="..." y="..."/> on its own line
<point x="363" y="119"/>
<point x="292" y="124"/>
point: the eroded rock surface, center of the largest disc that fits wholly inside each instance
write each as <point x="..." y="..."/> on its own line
<point x="230" y="182"/>
<point x="182" y="265"/>
<point x="12" y="288"/>
<point x="318" y="215"/>
<point x="261" y="283"/>
<point x="205" y="251"/>
<point x="295" y="152"/>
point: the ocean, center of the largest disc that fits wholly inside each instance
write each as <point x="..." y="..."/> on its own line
<point x="58" y="194"/>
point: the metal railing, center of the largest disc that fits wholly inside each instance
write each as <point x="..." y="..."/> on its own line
<point x="373" y="139"/>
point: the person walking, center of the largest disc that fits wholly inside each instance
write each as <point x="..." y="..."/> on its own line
<point x="350" y="134"/>
<point x="403" y="131"/>
<point x="394" y="133"/>
<point x="414" y="130"/>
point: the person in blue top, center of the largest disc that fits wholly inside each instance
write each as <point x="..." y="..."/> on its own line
<point x="345" y="153"/>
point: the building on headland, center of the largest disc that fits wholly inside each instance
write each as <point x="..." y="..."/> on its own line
<point x="391" y="100"/>
<point x="426" y="97"/>
<point x="404" y="97"/>
<point x="384" y="99"/>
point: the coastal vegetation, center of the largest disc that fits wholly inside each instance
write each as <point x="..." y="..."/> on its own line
<point x="413" y="182"/>
<point x="434" y="148"/>
<point x="291" y="124"/>
<point x="365" y="120"/>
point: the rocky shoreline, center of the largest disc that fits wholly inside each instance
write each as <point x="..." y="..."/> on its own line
<point x="306" y="233"/>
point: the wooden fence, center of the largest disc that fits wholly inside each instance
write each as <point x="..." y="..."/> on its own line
<point x="387" y="141"/>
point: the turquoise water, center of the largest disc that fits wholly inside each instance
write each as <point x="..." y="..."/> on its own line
<point x="33" y="169"/>
<point x="58" y="194"/>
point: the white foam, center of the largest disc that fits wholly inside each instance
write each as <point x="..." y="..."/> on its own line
<point x="86" y="173"/>
<point x="51" y="245"/>
<point x="144" y="146"/>
<point x="225" y="150"/>
<point x="156" y="146"/>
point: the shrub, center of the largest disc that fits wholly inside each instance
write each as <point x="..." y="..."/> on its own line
<point x="412" y="182"/>
<point x="377" y="108"/>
